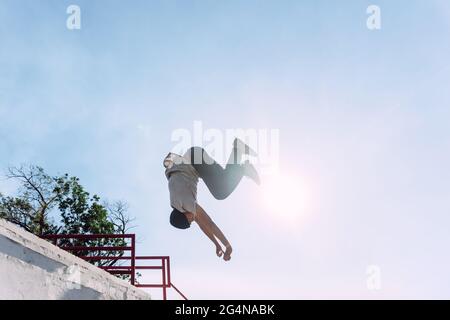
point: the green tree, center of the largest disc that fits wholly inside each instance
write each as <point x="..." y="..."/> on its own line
<point x="35" y="199"/>
<point x="41" y="199"/>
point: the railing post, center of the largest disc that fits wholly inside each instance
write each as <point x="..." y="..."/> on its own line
<point x="169" y="281"/>
<point x="163" y="260"/>
<point x="133" y="259"/>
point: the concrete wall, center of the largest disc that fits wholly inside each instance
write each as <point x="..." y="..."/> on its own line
<point x="32" y="268"/>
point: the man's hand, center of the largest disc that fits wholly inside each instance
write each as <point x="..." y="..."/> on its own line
<point x="228" y="252"/>
<point x="212" y="231"/>
<point x="219" y="250"/>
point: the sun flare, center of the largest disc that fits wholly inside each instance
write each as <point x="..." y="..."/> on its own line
<point x="283" y="195"/>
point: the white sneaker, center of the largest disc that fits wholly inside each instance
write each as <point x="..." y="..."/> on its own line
<point x="250" y="172"/>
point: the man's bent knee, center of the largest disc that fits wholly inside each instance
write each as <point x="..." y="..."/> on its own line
<point x="220" y="195"/>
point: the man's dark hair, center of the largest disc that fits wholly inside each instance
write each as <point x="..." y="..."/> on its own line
<point x="178" y="220"/>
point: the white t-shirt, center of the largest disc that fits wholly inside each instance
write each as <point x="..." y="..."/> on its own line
<point x="183" y="180"/>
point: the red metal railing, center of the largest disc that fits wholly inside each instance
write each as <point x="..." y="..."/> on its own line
<point x="84" y="252"/>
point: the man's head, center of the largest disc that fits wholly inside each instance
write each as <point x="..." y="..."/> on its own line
<point x="181" y="220"/>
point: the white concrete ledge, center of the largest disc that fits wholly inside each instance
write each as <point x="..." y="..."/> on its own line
<point x="33" y="268"/>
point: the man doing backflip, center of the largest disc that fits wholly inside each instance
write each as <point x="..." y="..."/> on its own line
<point x="183" y="173"/>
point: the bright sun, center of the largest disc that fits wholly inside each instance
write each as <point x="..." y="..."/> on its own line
<point x="284" y="196"/>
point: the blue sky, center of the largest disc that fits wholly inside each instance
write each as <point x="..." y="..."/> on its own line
<point x="363" y="119"/>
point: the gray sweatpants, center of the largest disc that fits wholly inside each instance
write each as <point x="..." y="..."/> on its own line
<point x="220" y="181"/>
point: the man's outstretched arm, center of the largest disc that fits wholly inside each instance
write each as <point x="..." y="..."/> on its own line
<point x="211" y="236"/>
<point x="208" y="226"/>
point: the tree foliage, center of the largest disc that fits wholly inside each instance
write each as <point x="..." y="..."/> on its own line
<point x="47" y="204"/>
